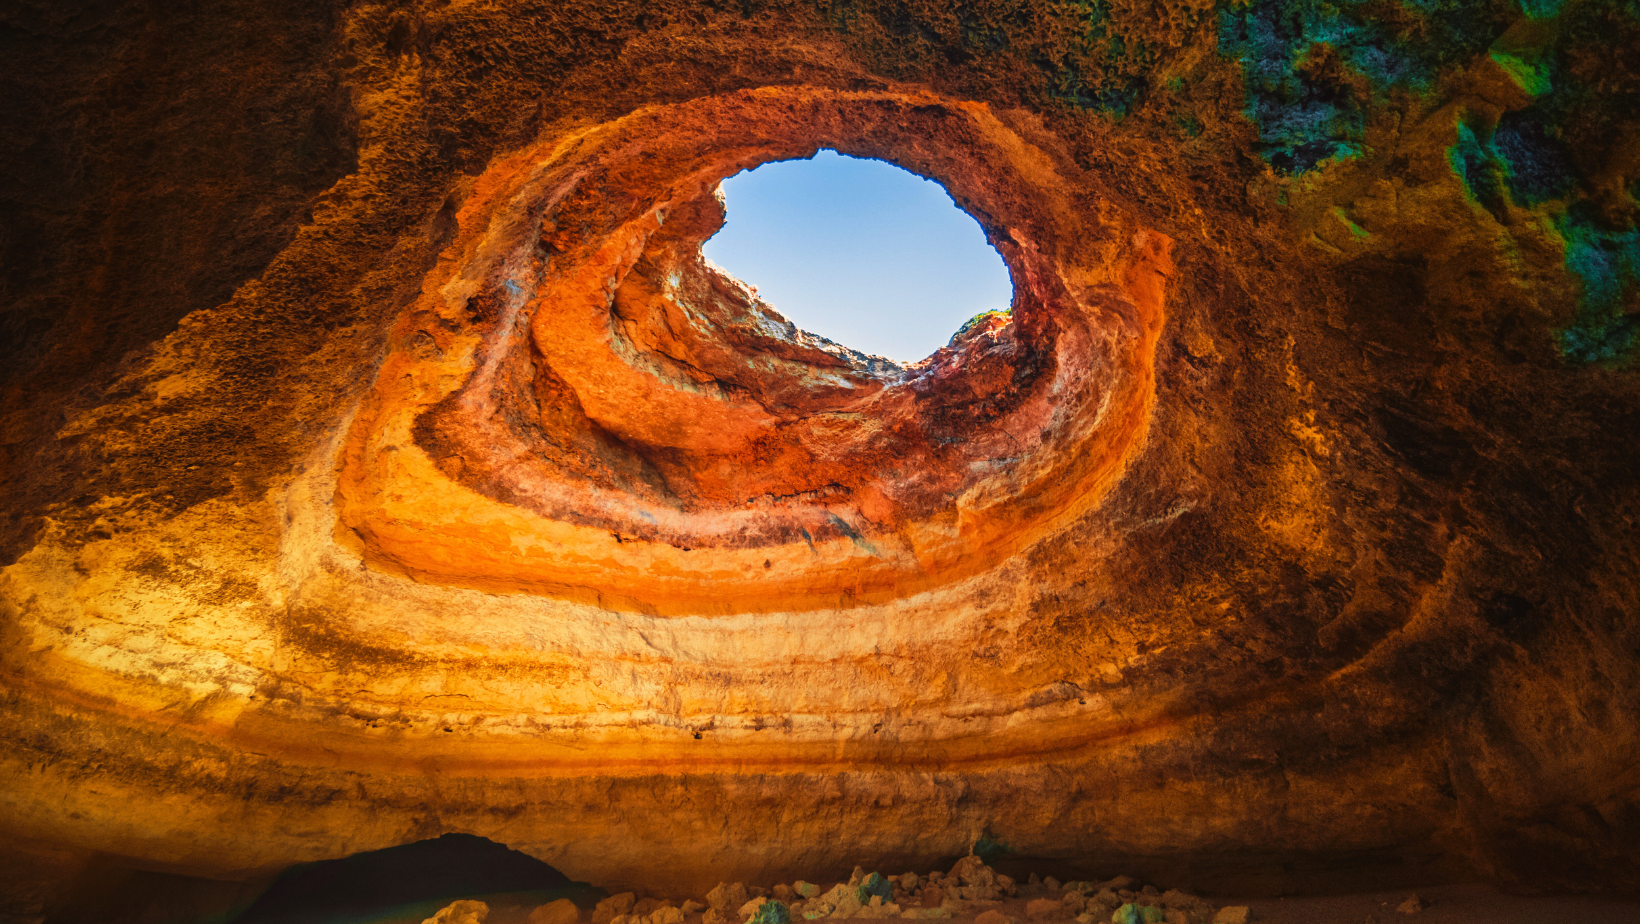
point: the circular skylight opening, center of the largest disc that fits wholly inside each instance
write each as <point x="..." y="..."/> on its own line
<point x="860" y="252"/>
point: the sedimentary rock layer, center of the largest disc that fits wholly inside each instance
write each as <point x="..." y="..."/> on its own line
<point x="1286" y="528"/>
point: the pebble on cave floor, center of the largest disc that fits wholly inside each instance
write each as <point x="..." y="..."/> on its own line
<point x="974" y="892"/>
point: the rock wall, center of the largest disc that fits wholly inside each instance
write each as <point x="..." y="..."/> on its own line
<point x="381" y="459"/>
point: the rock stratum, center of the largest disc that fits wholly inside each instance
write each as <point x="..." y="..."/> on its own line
<point x="382" y="460"/>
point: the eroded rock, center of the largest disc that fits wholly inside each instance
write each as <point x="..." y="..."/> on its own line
<point x="370" y="419"/>
<point x="562" y="911"/>
<point x="462" y="912"/>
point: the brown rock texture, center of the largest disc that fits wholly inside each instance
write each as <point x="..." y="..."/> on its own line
<point x="381" y="459"/>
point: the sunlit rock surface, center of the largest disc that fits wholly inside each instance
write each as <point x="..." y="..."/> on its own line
<point x="381" y="460"/>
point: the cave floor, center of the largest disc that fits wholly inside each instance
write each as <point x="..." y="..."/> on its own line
<point x="1449" y="904"/>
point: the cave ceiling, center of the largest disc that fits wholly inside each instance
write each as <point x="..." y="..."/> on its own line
<point x="383" y="460"/>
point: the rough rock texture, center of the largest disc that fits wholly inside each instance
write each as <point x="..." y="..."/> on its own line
<point x="463" y="912"/>
<point x="562" y="911"/>
<point x="381" y="460"/>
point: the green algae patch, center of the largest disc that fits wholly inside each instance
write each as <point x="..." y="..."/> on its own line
<point x="1530" y="75"/>
<point x="1355" y="230"/>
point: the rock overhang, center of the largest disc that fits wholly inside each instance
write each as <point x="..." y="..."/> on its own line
<point x="580" y="404"/>
<point x="1349" y="598"/>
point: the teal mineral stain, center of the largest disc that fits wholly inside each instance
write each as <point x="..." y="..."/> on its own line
<point x="772" y="912"/>
<point x="989" y="848"/>
<point x="1477" y="165"/>
<point x="1541" y="9"/>
<point x="1520" y="157"/>
<point x="1138" y="914"/>
<point x="1607" y="262"/>
<point x="1305" y="118"/>
<point x="874" y="884"/>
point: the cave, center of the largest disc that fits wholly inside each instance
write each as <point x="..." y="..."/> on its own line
<point x="390" y="483"/>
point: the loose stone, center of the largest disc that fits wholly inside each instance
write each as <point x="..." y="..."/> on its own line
<point x="463" y="912"/>
<point x="562" y="911"/>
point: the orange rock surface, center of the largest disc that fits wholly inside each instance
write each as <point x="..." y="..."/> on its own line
<point x="381" y="459"/>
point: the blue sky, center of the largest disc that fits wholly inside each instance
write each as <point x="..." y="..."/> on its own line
<point x="860" y="251"/>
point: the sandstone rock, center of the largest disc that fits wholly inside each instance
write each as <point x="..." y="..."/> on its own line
<point x="1052" y="884"/>
<point x="462" y="912"/>
<point x="806" y="889"/>
<point x="726" y="898"/>
<point x="714" y="916"/>
<point x="782" y="892"/>
<point x="848" y="904"/>
<point x="750" y="906"/>
<point x="971" y="870"/>
<point x="838" y="892"/>
<point x="606" y="911"/>
<point x="1233" y="914"/>
<point x="925" y="913"/>
<point x="562" y="911"/>
<point x="1173" y="898"/>
<point x="301" y="429"/>
<point x="979" y="882"/>
<point x="1118" y="884"/>
<point x="1034" y="879"/>
<point x="878" y="908"/>
<point x="1044" y="908"/>
<point x="1006" y="885"/>
<point x="665" y="915"/>
<point x="993" y="916"/>
<point x="857" y="876"/>
<point x="644" y="907"/>
<point x="1074" y="903"/>
<point x="691" y="906"/>
<point x="910" y="882"/>
<point x="1412" y="905"/>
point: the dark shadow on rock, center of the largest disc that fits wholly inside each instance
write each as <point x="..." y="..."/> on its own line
<point x="380" y="884"/>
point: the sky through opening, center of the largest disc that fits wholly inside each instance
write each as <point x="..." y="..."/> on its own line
<point x="859" y="251"/>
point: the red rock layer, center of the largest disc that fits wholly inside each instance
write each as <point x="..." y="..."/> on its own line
<point x="580" y="405"/>
<point x="1274" y="540"/>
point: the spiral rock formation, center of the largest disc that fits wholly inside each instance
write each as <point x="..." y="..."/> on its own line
<point x="382" y="459"/>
